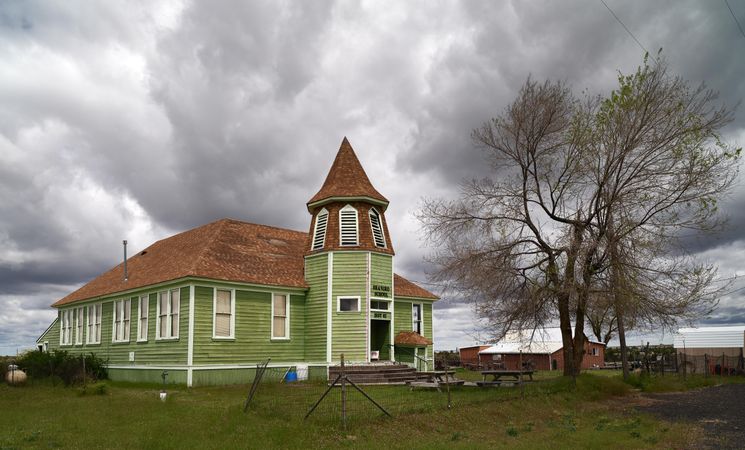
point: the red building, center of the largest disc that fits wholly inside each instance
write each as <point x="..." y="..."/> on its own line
<point x="469" y="356"/>
<point x="539" y="349"/>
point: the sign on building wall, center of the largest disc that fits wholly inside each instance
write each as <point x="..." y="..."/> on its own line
<point x="381" y="290"/>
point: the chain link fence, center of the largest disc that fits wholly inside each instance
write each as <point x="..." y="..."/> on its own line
<point x="346" y="406"/>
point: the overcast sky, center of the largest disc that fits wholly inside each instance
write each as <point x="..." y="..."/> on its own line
<point x="139" y="120"/>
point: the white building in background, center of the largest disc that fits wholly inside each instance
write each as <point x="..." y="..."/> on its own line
<point x="729" y="341"/>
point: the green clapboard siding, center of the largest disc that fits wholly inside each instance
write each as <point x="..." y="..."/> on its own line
<point x="51" y="335"/>
<point x="403" y="322"/>
<point x="349" y="329"/>
<point x="401" y="316"/>
<point x="151" y="352"/>
<point x="381" y="272"/>
<point x="427" y="319"/>
<point x="252" y="337"/>
<point x="147" y="376"/>
<point x="316" y="307"/>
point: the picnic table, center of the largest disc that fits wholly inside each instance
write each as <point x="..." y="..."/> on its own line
<point x="436" y="376"/>
<point x="498" y="374"/>
<point x="434" y="379"/>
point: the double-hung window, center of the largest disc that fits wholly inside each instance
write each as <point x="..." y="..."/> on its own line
<point x="224" y="314"/>
<point x="79" y="320"/>
<point x="66" y="327"/>
<point x="122" y="318"/>
<point x="142" y="313"/>
<point x="94" y="324"/>
<point x="280" y="316"/>
<point x="169" y="303"/>
<point x="348" y="226"/>
<point x="416" y="317"/>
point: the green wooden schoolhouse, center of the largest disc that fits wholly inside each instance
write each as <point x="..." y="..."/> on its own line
<point x="210" y="303"/>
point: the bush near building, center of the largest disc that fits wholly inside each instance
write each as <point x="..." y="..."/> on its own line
<point x="71" y="369"/>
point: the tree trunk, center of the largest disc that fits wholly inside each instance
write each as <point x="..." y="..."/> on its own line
<point x="622" y="340"/>
<point x="565" y="324"/>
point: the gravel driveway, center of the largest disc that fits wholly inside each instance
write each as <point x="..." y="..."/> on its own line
<point x="719" y="410"/>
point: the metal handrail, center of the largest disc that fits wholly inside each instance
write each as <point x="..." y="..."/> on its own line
<point x="410" y="352"/>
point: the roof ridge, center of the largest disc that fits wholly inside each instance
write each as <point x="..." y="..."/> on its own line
<point x="208" y="243"/>
<point x="264" y="225"/>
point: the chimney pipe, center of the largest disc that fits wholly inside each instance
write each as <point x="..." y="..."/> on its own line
<point x="125" y="260"/>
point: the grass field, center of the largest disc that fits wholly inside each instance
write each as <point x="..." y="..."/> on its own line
<point x="550" y="413"/>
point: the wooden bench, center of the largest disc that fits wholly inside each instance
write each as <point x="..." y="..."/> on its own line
<point x="433" y="385"/>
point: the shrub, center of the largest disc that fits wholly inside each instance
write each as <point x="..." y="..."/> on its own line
<point x="59" y="363"/>
<point x="4" y="361"/>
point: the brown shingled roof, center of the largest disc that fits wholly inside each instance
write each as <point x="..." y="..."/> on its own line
<point x="411" y="339"/>
<point x="405" y="288"/>
<point x="228" y="250"/>
<point x="224" y="250"/>
<point x="347" y="178"/>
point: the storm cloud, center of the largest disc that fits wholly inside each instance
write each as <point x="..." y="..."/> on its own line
<point x="137" y="120"/>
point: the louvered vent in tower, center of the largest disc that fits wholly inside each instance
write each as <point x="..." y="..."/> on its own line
<point x="319" y="234"/>
<point x="377" y="228"/>
<point x="348" y="226"/>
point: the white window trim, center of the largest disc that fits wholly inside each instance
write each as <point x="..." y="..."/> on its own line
<point x="66" y="324"/>
<point x="232" y="314"/>
<point x="338" y="304"/>
<point x="421" y="317"/>
<point x="325" y="212"/>
<point x="79" y="325"/>
<point x="356" y="226"/>
<point x="125" y="333"/>
<point x="147" y="317"/>
<point x="380" y="224"/>
<point x="287" y="318"/>
<point x="96" y="339"/>
<point x="169" y="313"/>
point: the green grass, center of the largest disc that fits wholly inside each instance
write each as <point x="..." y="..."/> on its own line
<point x="551" y="413"/>
<point x="673" y="383"/>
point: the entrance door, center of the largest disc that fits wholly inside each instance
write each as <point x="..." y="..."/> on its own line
<point x="380" y="338"/>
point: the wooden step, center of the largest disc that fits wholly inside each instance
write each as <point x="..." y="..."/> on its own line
<point x="376" y="373"/>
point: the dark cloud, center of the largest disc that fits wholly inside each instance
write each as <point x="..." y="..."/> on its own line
<point x="143" y="119"/>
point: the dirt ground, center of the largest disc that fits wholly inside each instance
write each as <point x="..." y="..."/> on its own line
<point x="719" y="410"/>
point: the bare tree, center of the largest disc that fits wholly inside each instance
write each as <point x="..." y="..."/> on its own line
<point x="575" y="181"/>
<point x="601" y="315"/>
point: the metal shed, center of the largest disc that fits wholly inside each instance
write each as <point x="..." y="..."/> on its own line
<point x="711" y="340"/>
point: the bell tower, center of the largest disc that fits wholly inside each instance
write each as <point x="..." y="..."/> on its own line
<point x="348" y="212"/>
<point x="349" y="264"/>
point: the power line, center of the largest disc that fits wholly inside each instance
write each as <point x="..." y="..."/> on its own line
<point x="627" y="29"/>
<point x="734" y="17"/>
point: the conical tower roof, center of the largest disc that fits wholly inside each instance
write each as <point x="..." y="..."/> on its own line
<point x="347" y="180"/>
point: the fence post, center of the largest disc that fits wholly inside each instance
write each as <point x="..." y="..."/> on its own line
<point x="343" y="394"/>
<point x="706" y="365"/>
<point x="447" y="383"/>
<point x="522" y="385"/>
<point x="721" y="368"/>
